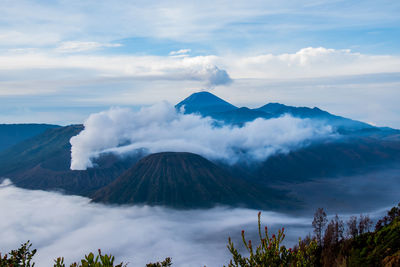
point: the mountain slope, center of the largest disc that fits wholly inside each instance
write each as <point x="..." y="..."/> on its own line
<point x="204" y="103"/>
<point x="341" y="123"/>
<point x="43" y="162"/>
<point x="280" y="109"/>
<point x="183" y="180"/>
<point x="48" y="146"/>
<point x="329" y="159"/>
<point x="240" y="116"/>
<point x="11" y="134"/>
<point x="207" y="104"/>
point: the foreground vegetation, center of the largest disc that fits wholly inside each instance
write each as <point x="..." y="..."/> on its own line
<point x="334" y="244"/>
<point x="23" y="258"/>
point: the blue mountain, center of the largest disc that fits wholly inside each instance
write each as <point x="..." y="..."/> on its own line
<point x="241" y="115"/>
<point x="11" y="134"/>
<point x="207" y="104"/>
<point x="340" y="123"/>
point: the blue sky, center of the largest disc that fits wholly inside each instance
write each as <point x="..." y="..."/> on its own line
<point x="62" y="60"/>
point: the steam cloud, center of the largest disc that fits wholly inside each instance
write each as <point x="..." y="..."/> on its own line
<point x="161" y="128"/>
<point x="70" y="226"/>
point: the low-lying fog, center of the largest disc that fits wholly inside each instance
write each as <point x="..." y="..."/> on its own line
<point x="70" y="226"/>
<point x="365" y="192"/>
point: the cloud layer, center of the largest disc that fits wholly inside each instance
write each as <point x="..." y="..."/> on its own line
<point x="332" y="79"/>
<point x="45" y="23"/>
<point x="153" y="68"/>
<point x="312" y="62"/>
<point x="70" y="226"/>
<point x="161" y="128"/>
<point x="73" y="47"/>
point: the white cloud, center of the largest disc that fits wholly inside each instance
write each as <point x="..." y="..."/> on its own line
<point x="210" y="70"/>
<point x="310" y="62"/>
<point x="311" y="76"/>
<point x="77" y="46"/>
<point x="161" y="128"/>
<point x="200" y="68"/>
<point x="13" y="38"/>
<point x="180" y="53"/>
<point x="306" y="63"/>
<point x="185" y="20"/>
<point x="70" y="226"/>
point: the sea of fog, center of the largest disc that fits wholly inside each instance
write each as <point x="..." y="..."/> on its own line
<point x="365" y="192"/>
<point x="70" y="226"/>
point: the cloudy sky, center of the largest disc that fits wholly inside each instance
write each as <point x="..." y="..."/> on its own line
<point x="62" y="60"/>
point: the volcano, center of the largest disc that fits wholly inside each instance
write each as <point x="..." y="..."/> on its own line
<point x="182" y="180"/>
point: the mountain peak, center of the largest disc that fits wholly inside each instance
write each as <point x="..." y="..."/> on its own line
<point x="204" y="103"/>
<point x="207" y="104"/>
<point x="203" y="94"/>
<point x="273" y="107"/>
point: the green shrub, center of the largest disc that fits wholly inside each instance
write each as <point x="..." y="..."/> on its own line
<point x="271" y="252"/>
<point x="20" y="257"/>
<point x="90" y="261"/>
<point x="167" y="262"/>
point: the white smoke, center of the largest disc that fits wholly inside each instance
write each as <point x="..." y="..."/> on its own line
<point x="161" y="128"/>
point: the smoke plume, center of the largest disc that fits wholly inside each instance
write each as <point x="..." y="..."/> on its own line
<point x="161" y="128"/>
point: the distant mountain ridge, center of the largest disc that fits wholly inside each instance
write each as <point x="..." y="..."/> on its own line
<point x="11" y="134"/>
<point x="339" y="122"/>
<point x="207" y="104"/>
